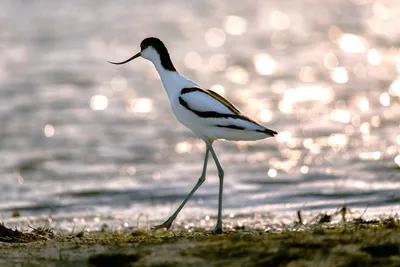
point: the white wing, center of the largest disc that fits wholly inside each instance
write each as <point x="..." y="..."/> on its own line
<point x="207" y="101"/>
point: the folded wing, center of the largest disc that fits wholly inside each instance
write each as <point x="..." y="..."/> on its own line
<point x="218" y="111"/>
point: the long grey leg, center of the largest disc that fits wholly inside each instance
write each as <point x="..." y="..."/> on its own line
<point x="167" y="223"/>
<point x="218" y="227"/>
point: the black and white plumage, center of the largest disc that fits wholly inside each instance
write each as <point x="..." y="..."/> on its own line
<point x="209" y="115"/>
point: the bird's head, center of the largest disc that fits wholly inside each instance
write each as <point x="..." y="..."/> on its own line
<point x="152" y="49"/>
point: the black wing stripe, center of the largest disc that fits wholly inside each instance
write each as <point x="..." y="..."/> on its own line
<point x="235" y="127"/>
<point x="211" y="114"/>
<point x="189" y="90"/>
<point x="267" y="131"/>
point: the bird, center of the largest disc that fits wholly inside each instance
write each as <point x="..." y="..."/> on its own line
<point x="207" y="114"/>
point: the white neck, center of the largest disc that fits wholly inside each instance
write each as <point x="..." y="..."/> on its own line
<point x="172" y="81"/>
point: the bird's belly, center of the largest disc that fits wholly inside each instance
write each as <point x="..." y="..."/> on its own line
<point x="196" y="124"/>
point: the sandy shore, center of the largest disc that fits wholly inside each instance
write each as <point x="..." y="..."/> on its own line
<point x="356" y="243"/>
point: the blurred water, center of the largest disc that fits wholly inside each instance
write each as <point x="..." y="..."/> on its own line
<point x="83" y="138"/>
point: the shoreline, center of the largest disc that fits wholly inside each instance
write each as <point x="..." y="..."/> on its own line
<point x="374" y="242"/>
